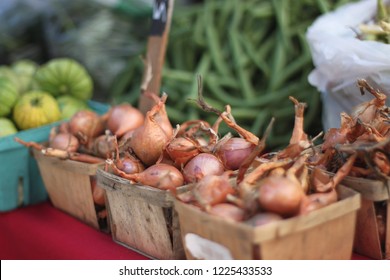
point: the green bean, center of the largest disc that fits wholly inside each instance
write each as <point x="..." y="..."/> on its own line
<point x="278" y="63"/>
<point x="223" y="81"/>
<point x="323" y="6"/>
<point x="199" y="35"/>
<point x="259" y="122"/>
<point x="283" y="19"/>
<point x="259" y="10"/>
<point x="213" y="42"/>
<point x="175" y="116"/>
<point x="178" y="75"/>
<point x="293" y="67"/>
<point x="248" y="91"/>
<point x="202" y="70"/>
<point x="260" y="63"/>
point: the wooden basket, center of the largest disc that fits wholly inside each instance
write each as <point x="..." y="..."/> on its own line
<point x="68" y="184"/>
<point x="142" y="218"/>
<point x="326" y="233"/>
<point x="367" y="241"/>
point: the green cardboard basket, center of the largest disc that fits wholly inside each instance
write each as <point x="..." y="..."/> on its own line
<point x="20" y="180"/>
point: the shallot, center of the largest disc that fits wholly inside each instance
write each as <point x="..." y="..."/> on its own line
<point x="161" y="176"/>
<point x="123" y="118"/>
<point x="201" y="165"/>
<point x="149" y="140"/>
<point x="86" y="125"/>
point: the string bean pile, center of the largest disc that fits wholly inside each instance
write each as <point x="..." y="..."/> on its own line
<point x="252" y="55"/>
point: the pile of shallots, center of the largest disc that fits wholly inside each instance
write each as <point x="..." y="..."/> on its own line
<point x="161" y="156"/>
<point x="267" y="187"/>
<point x="90" y="138"/>
<point x="364" y="138"/>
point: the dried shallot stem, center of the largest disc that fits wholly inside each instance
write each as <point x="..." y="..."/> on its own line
<point x="31" y="144"/>
<point x="61" y="154"/>
<point x="339" y="176"/>
<point x="298" y="133"/>
<point x="255" y="153"/>
<point x="226" y="116"/>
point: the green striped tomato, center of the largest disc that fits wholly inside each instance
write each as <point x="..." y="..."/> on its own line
<point x="65" y="76"/>
<point x="8" y="96"/>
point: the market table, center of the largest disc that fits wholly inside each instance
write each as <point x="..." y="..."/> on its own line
<point x="42" y="232"/>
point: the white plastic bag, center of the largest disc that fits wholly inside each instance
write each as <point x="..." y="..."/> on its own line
<point x="340" y="59"/>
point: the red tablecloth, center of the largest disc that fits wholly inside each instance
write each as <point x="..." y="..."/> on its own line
<point x="42" y="232"/>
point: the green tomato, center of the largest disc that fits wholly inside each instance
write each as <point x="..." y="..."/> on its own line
<point x="70" y="105"/>
<point x="34" y="109"/>
<point x="65" y="76"/>
<point x="8" y="96"/>
<point x="7" y="127"/>
<point x="25" y="70"/>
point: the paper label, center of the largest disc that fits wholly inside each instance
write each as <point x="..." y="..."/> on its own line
<point x="204" y="249"/>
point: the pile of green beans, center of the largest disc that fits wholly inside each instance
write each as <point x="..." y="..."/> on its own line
<point x="251" y="55"/>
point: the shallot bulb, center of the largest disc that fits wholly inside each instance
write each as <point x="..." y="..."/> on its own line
<point x="98" y="193"/>
<point x="213" y="189"/>
<point x="86" y="125"/>
<point x="149" y="140"/>
<point x="64" y="141"/>
<point x="161" y="115"/>
<point x="280" y="195"/>
<point x="263" y="218"/>
<point x="316" y="201"/>
<point x="181" y="150"/>
<point x="233" y="152"/>
<point x="162" y="176"/>
<point x="201" y="165"/>
<point x="130" y="164"/>
<point x="228" y="211"/>
<point x="103" y="146"/>
<point x="123" y="118"/>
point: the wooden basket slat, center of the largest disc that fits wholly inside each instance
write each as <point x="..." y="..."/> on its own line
<point x="294" y="238"/>
<point x="367" y="241"/>
<point x="112" y="182"/>
<point x="69" y="187"/>
<point x="142" y="217"/>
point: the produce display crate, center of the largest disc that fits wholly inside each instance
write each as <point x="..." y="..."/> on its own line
<point x="142" y="218"/>
<point x="20" y="181"/>
<point x="68" y="184"/>
<point x="367" y="240"/>
<point x="326" y="233"/>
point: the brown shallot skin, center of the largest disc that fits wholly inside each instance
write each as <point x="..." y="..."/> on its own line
<point x="201" y="165"/>
<point x="233" y="152"/>
<point x="103" y="146"/>
<point x="123" y="118"/>
<point x="98" y="193"/>
<point x="280" y="195"/>
<point x="130" y="165"/>
<point x="213" y="189"/>
<point x="64" y="141"/>
<point x="263" y="218"/>
<point x="181" y="150"/>
<point x="86" y="125"/>
<point x="149" y="140"/>
<point x="162" y="176"/>
<point x="316" y="201"/>
<point x="227" y="211"/>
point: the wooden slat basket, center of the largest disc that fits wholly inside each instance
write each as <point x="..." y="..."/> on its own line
<point x="69" y="185"/>
<point x="141" y="217"/>
<point x="372" y="237"/>
<point x="325" y="233"/>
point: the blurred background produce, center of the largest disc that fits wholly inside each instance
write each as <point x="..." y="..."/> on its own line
<point x="252" y="54"/>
